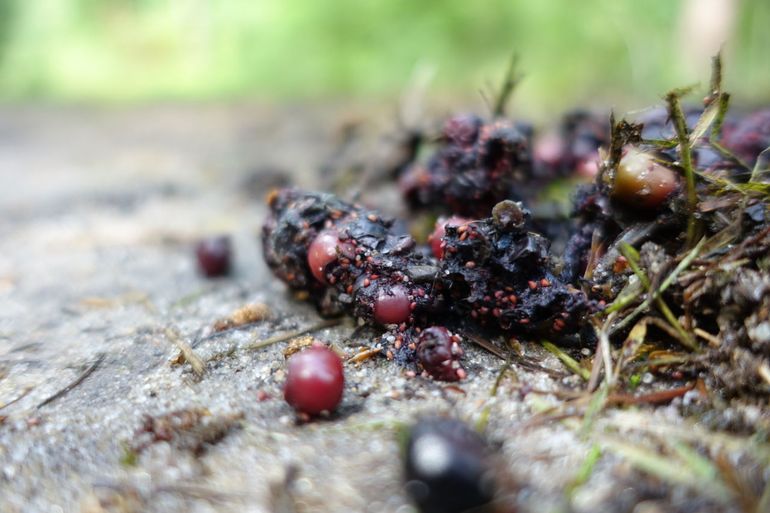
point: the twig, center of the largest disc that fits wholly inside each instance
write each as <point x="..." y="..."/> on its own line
<point x="485" y="344"/>
<point x="510" y="82"/>
<point x="662" y="396"/>
<point x="328" y="323"/>
<point x="64" y="391"/>
<point x="195" y="361"/>
<point x="17" y="398"/>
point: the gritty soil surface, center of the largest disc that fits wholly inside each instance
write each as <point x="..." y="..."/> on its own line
<point x="99" y="213"/>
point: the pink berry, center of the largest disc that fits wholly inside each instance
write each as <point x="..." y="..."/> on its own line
<point x="392" y="305"/>
<point x="213" y="256"/>
<point x="325" y="249"/>
<point x="315" y="381"/>
<point x="435" y="238"/>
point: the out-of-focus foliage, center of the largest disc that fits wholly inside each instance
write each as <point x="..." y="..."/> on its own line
<point x="572" y="51"/>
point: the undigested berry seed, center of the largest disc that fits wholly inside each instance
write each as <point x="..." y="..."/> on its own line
<point x="315" y="381"/>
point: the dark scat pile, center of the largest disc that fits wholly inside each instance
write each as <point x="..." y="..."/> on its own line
<point x="497" y="271"/>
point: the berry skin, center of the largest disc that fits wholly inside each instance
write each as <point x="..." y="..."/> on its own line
<point x="315" y="381"/>
<point x="438" y="352"/>
<point x="213" y="255"/>
<point x="392" y="305"/>
<point x="448" y="468"/>
<point x="641" y="181"/>
<point x="325" y="249"/>
<point x="435" y="238"/>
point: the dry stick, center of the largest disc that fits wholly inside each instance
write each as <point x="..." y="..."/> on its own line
<point x="510" y="82"/>
<point x="64" y="391"/>
<point x="662" y="396"/>
<point x="596" y="368"/>
<point x="18" y="398"/>
<point x="195" y="361"/>
<point x="292" y="334"/>
<point x="485" y="344"/>
<point x="604" y="341"/>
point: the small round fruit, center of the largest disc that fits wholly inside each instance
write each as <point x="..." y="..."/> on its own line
<point x="438" y="352"/>
<point x="213" y="255"/>
<point x="314" y="381"/>
<point x="642" y="182"/>
<point x="435" y="238"/>
<point x="392" y="305"/>
<point x="325" y="249"/>
<point x="448" y="467"/>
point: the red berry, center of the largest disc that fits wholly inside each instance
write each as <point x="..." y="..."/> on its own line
<point x="438" y="353"/>
<point x="213" y="256"/>
<point x="325" y="249"/>
<point x="315" y="381"/>
<point x="392" y="305"/>
<point x="436" y="237"/>
<point x="642" y="181"/>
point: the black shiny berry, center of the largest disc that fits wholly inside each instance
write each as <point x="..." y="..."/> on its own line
<point x="213" y="255"/>
<point x="447" y="467"/>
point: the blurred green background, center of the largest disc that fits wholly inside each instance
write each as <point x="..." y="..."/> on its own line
<point x="572" y="52"/>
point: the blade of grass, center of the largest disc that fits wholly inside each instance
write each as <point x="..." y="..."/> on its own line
<point x="673" y="99"/>
<point x="566" y="359"/>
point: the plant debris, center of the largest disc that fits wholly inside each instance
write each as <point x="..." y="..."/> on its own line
<point x="191" y="429"/>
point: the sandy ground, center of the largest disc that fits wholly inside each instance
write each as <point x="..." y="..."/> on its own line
<point x="98" y="213"/>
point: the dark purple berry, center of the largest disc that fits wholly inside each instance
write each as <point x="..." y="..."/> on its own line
<point x="314" y="381"/>
<point x="438" y="351"/>
<point x="213" y="256"/>
<point x="448" y="468"/>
